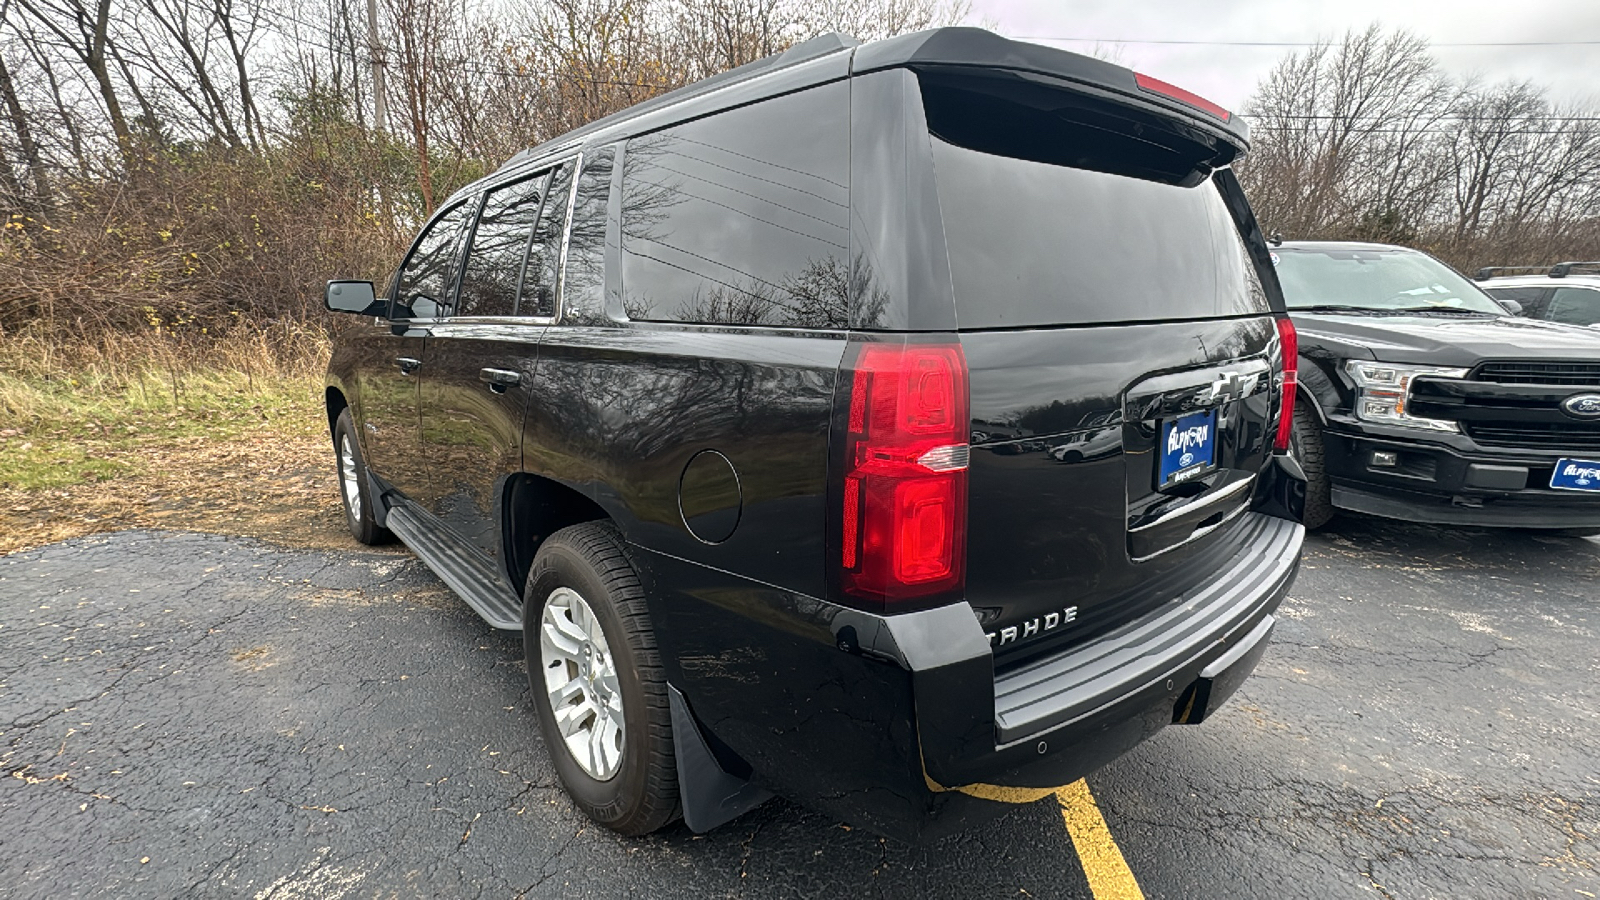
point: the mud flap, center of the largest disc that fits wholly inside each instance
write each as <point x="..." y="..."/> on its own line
<point x="709" y="795"/>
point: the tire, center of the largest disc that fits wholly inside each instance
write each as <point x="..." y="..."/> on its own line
<point x="1308" y="449"/>
<point x="1569" y="532"/>
<point x="627" y="783"/>
<point x="355" y="488"/>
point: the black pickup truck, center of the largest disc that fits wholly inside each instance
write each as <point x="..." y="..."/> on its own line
<point x="898" y="427"/>
<point x="1423" y="399"/>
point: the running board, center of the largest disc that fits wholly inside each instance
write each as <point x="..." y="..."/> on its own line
<point x="458" y="565"/>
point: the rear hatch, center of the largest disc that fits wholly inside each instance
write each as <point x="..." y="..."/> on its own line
<point x="1121" y="352"/>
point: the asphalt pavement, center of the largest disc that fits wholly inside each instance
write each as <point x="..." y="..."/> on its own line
<point x="193" y="715"/>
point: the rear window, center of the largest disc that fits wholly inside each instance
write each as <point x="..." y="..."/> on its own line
<point x="1037" y="243"/>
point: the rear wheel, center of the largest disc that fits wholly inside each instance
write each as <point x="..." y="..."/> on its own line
<point x="1306" y="446"/>
<point x="360" y="506"/>
<point x="597" y="680"/>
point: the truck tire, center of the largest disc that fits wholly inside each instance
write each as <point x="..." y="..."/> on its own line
<point x="355" y="488"/>
<point x="597" y="680"/>
<point x="1308" y="449"/>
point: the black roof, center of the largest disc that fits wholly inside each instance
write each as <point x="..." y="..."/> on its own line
<point x="936" y="47"/>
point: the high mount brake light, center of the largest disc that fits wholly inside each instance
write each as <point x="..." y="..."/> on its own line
<point x="905" y="473"/>
<point x="1289" y="344"/>
<point x="1187" y="98"/>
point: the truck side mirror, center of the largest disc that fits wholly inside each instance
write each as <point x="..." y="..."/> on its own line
<point x="356" y="297"/>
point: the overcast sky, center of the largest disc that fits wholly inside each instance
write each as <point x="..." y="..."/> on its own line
<point x="1228" y="74"/>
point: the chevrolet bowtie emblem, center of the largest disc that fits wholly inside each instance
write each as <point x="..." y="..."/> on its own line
<point x="1228" y="387"/>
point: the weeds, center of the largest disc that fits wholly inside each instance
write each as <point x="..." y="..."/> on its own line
<point x="159" y="430"/>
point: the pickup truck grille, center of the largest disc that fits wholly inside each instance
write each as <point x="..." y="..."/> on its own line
<point x="1527" y="372"/>
<point x="1540" y="435"/>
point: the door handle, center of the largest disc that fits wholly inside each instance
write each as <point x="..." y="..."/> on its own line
<point x="499" y="379"/>
<point x="409" y="366"/>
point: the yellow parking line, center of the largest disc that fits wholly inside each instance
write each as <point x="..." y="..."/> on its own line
<point x="1109" y="875"/>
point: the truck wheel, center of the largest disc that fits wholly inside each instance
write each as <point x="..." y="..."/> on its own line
<point x="1306" y="446"/>
<point x="597" y="680"/>
<point x="360" y="506"/>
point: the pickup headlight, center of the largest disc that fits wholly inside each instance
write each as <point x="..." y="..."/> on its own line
<point x="1384" y="392"/>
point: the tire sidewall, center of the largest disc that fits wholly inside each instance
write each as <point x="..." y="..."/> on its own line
<point x="1309" y="451"/>
<point x="365" y="529"/>
<point x="608" y="802"/>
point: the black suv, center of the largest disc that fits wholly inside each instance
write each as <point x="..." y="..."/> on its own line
<point x="1423" y="399"/>
<point x="741" y="404"/>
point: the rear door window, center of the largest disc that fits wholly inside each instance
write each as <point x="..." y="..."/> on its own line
<point x="500" y="249"/>
<point x="423" y="287"/>
<point x="583" y="281"/>
<point x="742" y="218"/>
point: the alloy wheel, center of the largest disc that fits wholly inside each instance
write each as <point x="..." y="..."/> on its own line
<point x="580" y="677"/>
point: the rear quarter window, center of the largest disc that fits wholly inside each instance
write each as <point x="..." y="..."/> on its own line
<point x="742" y="218"/>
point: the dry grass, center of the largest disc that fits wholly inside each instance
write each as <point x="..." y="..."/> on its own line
<point x="158" y="430"/>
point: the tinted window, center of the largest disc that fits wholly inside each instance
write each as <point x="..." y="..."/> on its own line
<point x="544" y="250"/>
<point x="743" y="217"/>
<point x="582" y="291"/>
<point x="1376" y="279"/>
<point x="422" y="289"/>
<point x="499" y="249"/>
<point x="1034" y="243"/>
<point x="1578" y="306"/>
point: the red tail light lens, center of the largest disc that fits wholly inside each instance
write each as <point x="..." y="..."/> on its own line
<point x="905" y="481"/>
<point x="1289" y="343"/>
<point x="1188" y="98"/>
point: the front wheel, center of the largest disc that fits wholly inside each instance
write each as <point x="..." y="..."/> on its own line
<point x="1308" y="449"/>
<point x="360" y="506"/>
<point x="597" y="680"/>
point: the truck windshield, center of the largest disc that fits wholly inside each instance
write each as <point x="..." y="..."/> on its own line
<point x="1377" y="280"/>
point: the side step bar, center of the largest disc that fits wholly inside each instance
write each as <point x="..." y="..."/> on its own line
<point x="460" y="566"/>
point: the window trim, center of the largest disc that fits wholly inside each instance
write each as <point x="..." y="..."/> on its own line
<point x="566" y="233"/>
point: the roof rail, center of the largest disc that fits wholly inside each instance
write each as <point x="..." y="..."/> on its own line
<point x="1559" y="270"/>
<point x="1562" y="270"/>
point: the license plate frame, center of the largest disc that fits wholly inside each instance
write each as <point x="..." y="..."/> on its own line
<point x="1187" y="448"/>
<point x="1573" y="474"/>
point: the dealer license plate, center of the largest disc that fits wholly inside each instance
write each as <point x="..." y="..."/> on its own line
<point x="1188" y="447"/>
<point x="1576" y="475"/>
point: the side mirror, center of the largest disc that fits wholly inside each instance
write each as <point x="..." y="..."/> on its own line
<point x="1509" y="305"/>
<point x="355" y="297"/>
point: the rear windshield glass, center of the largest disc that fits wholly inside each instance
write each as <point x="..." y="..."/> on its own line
<point x="1376" y="280"/>
<point x="1035" y="243"/>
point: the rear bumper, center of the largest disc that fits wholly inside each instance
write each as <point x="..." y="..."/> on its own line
<point x="1450" y="480"/>
<point x="901" y="725"/>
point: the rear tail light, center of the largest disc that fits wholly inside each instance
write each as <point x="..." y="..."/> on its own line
<point x="1187" y="98"/>
<point x="904" y="503"/>
<point x="1289" y="345"/>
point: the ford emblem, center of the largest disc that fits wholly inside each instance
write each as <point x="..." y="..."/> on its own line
<point x="1583" y="406"/>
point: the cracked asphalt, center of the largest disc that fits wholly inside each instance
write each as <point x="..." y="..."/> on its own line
<point x="193" y="715"/>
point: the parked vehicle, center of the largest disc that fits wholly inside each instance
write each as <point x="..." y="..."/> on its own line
<point x="700" y="398"/>
<point x="1423" y="399"/>
<point x="1568" y="292"/>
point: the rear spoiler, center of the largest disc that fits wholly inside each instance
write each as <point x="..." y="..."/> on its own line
<point x="978" y="48"/>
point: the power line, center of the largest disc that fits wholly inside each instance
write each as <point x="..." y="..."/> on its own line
<point x="1085" y="40"/>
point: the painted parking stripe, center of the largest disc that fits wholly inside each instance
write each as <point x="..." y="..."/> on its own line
<point x="1109" y="875"/>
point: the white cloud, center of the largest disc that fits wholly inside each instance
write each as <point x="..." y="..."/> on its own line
<point x="1228" y="74"/>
